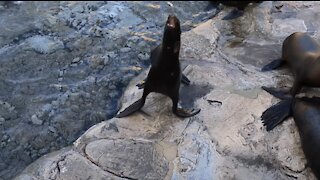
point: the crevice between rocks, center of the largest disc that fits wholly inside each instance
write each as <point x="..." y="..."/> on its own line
<point x="109" y="171"/>
<point x="63" y="158"/>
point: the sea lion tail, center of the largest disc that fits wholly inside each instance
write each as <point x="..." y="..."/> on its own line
<point x="273" y="65"/>
<point x="131" y="109"/>
<point x="277" y="114"/>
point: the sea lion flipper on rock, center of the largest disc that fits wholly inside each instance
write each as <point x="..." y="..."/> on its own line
<point x="276" y="114"/>
<point x="186" y="112"/>
<point x="181" y="112"/>
<point x="281" y="94"/>
<point x="273" y="65"/>
<point x="306" y="114"/>
<point x="132" y="108"/>
<point x="185" y="80"/>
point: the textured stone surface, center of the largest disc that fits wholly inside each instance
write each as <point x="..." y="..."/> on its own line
<point x="227" y="139"/>
<point x="65" y="65"/>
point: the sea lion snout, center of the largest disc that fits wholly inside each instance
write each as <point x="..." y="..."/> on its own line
<point x="172" y="22"/>
<point x="172" y="26"/>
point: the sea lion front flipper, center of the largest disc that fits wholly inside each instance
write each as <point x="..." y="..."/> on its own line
<point x="276" y="114"/>
<point x="281" y="94"/>
<point x="185" y="80"/>
<point x="273" y="65"/>
<point x="235" y="13"/>
<point x="186" y="112"/>
<point x="132" y="108"/>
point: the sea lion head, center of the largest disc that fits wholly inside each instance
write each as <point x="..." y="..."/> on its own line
<point x="172" y="33"/>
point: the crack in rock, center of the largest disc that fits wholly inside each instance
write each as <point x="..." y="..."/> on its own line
<point x="109" y="171"/>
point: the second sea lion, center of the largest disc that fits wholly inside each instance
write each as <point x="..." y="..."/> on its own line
<point x="165" y="73"/>
<point x="302" y="54"/>
<point x="306" y="114"/>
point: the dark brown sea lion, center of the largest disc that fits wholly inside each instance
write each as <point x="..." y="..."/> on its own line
<point x="165" y="73"/>
<point x="306" y="114"/>
<point x="302" y="54"/>
<point x="239" y="8"/>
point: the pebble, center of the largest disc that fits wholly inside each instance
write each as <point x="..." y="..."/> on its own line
<point x="36" y="120"/>
<point x="76" y="60"/>
<point x="2" y="119"/>
<point x="124" y="50"/>
<point x="144" y="56"/>
<point x="52" y="129"/>
<point x="61" y="73"/>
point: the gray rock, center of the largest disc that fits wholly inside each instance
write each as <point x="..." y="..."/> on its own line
<point x="125" y="49"/>
<point x="36" y="120"/>
<point x="44" y="44"/>
<point x="225" y="141"/>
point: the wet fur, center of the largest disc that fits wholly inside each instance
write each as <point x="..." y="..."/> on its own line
<point x="302" y="54"/>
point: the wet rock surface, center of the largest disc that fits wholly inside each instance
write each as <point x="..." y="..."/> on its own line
<point x="64" y="66"/>
<point x="225" y="141"/>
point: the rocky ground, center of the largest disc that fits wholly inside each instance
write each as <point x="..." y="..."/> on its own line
<point x="222" y="59"/>
<point x="64" y="66"/>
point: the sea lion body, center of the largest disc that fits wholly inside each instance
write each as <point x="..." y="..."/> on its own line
<point x="163" y="77"/>
<point x="302" y="54"/>
<point x="165" y="73"/>
<point x="306" y="114"/>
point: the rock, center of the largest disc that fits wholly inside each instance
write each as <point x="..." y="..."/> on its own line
<point x="221" y="58"/>
<point x="76" y="60"/>
<point x="2" y="120"/>
<point x="285" y="27"/>
<point x="224" y="141"/>
<point x="144" y="56"/>
<point x="78" y="9"/>
<point x="44" y="44"/>
<point x="36" y="120"/>
<point x="125" y="49"/>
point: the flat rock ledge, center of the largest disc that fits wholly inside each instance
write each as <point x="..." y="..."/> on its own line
<point x="226" y="140"/>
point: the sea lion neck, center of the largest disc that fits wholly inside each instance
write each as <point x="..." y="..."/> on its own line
<point x="171" y="36"/>
<point x="170" y="39"/>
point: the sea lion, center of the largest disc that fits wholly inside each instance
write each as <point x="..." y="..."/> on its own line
<point x="165" y="73"/>
<point x="238" y="11"/>
<point x="184" y="80"/>
<point x="302" y="54"/>
<point x="306" y="114"/>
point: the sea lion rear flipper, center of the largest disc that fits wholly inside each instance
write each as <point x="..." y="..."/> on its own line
<point x="186" y="112"/>
<point x="273" y="65"/>
<point x="276" y="114"/>
<point x="131" y="109"/>
<point x="185" y="80"/>
<point x="235" y="13"/>
<point x="281" y="94"/>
